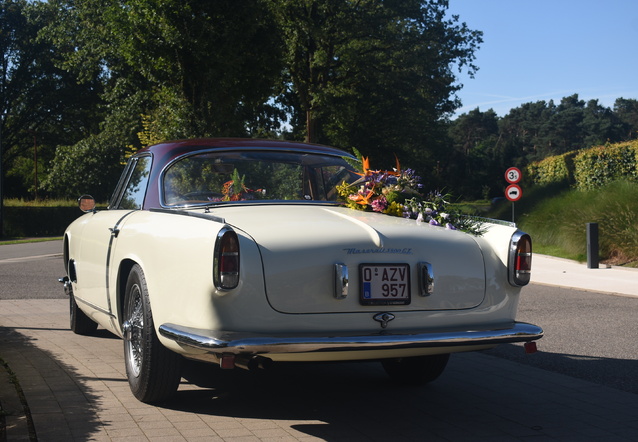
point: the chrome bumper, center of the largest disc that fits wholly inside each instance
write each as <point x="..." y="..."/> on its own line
<point x="259" y="344"/>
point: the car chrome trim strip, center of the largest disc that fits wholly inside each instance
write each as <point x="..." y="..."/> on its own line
<point x="94" y="307"/>
<point x="253" y="343"/>
<point x="292" y="149"/>
<point x="207" y="216"/>
<point x="109" y="250"/>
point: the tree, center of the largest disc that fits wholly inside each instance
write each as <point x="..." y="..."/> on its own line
<point x="41" y="105"/>
<point x="191" y="68"/>
<point x="600" y="125"/>
<point x="373" y="74"/>
<point x="627" y="112"/>
<point x="476" y="156"/>
<point x="216" y="60"/>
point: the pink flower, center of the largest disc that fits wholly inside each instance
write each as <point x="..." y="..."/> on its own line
<point x="380" y="204"/>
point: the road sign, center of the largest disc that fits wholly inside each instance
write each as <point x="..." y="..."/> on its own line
<point x="513" y="175"/>
<point x="513" y="192"/>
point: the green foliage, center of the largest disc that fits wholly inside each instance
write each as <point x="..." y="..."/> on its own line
<point x="601" y="165"/>
<point x="378" y="75"/>
<point x="559" y="222"/>
<point x="529" y="134"/>
<point x="91" y="166"/>
<point x="555" y="169"/>
<point x="372" y="74"/>
<point x="589" y="168"/>
<point x="26" y="220"/>
<point x="41" y="105"/>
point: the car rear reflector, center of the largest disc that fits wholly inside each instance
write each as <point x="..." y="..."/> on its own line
<point x="520" y="260"/>
<point x="226" y="260"/>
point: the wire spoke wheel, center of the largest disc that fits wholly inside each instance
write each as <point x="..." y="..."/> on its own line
<point x="134" y="340"/>
<point x="153" y="371"/>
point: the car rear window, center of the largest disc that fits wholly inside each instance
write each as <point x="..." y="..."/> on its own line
<point x="218" y="177"/>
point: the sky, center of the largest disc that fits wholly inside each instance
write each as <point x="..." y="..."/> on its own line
<point x="541" y="50"/>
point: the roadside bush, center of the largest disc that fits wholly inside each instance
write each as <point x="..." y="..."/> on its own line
<point x="24" y="222"/>
<point x="587" y="169"/>
<point x="556" y="169"/>
<point x="601" y="165"/>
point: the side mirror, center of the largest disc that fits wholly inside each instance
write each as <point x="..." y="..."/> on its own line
<point x="86" y="203"/>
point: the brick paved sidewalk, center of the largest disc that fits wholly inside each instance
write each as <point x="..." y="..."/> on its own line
<point x="76" y="389"/>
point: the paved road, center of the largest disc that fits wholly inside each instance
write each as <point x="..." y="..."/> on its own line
<point x="31" y="271"/>
<point x="77" y="389"/>
<point x="588" y="335"/>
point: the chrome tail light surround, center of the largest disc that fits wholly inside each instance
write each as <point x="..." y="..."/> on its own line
<point x="226" y="260"/>
<point x="520" y="259"/>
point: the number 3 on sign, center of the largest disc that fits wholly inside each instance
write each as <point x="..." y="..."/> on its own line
<point x="513" y="175"/>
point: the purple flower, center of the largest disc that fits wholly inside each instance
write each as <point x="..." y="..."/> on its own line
<point x="434" y="222"/>
<point x="380" y="204"/>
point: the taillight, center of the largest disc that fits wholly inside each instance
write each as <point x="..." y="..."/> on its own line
<point x="226" y="260"/>
<point x="520" y="261"/>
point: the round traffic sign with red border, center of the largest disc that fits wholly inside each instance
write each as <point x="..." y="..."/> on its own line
<point x="513" y="175"/>
<point x="513" y="192"/>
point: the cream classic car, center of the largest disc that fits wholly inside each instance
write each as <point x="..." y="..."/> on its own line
<point x="240" y="253"/>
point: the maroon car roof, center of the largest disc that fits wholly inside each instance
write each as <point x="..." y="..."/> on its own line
<point x="164" y="153"/>
<point x="172" y="149"/>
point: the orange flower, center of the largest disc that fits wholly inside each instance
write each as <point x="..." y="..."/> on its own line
<point x="363" y="197"/>
<point x="397" y="170"/>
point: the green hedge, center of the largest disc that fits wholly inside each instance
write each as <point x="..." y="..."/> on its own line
<point x="30" y="221"/>
<point x="601" y="165"/>
<point x="551" y="170"/>
<point x="590" y="168"/>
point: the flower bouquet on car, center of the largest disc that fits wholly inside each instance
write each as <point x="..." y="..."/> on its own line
<point x="397" y="192"/>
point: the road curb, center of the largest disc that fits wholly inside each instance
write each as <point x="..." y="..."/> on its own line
<point x="15" y="417"/>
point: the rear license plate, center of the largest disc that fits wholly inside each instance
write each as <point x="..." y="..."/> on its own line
<point x="384" y="284"/>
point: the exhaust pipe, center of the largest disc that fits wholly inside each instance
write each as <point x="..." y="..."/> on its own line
<point x="229" y="361"/>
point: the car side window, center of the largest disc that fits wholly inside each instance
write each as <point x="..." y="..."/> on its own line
<point x="135" y="190"/>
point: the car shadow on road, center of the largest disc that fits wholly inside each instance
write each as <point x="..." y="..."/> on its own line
<point x="344" y="397"/>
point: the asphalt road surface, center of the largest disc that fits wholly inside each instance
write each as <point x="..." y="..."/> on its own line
<point x="588" y="335"/>
<point x="31" y="270"/>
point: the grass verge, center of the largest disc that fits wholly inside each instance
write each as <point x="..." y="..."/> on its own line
<point x="557" y="218"/>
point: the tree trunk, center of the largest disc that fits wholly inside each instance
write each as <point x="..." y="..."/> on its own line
<point x="311" y="127"/>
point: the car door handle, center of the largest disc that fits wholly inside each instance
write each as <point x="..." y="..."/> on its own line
<point x="114" y="231"/>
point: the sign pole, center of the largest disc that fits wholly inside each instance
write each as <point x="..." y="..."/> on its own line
<point x="513" y="192"/>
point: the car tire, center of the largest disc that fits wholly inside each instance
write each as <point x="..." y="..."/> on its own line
<point x="79" y="322"/>
<point x="416" y="370"/>
<point x="153" y="371"/>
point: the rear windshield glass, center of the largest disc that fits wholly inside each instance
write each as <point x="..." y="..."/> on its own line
<point x="218" y="177"/>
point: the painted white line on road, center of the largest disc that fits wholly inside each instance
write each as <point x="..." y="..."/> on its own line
<point x="30" y="258"/>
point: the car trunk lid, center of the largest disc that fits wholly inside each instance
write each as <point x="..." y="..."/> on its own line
<point x="301" y="244"/>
